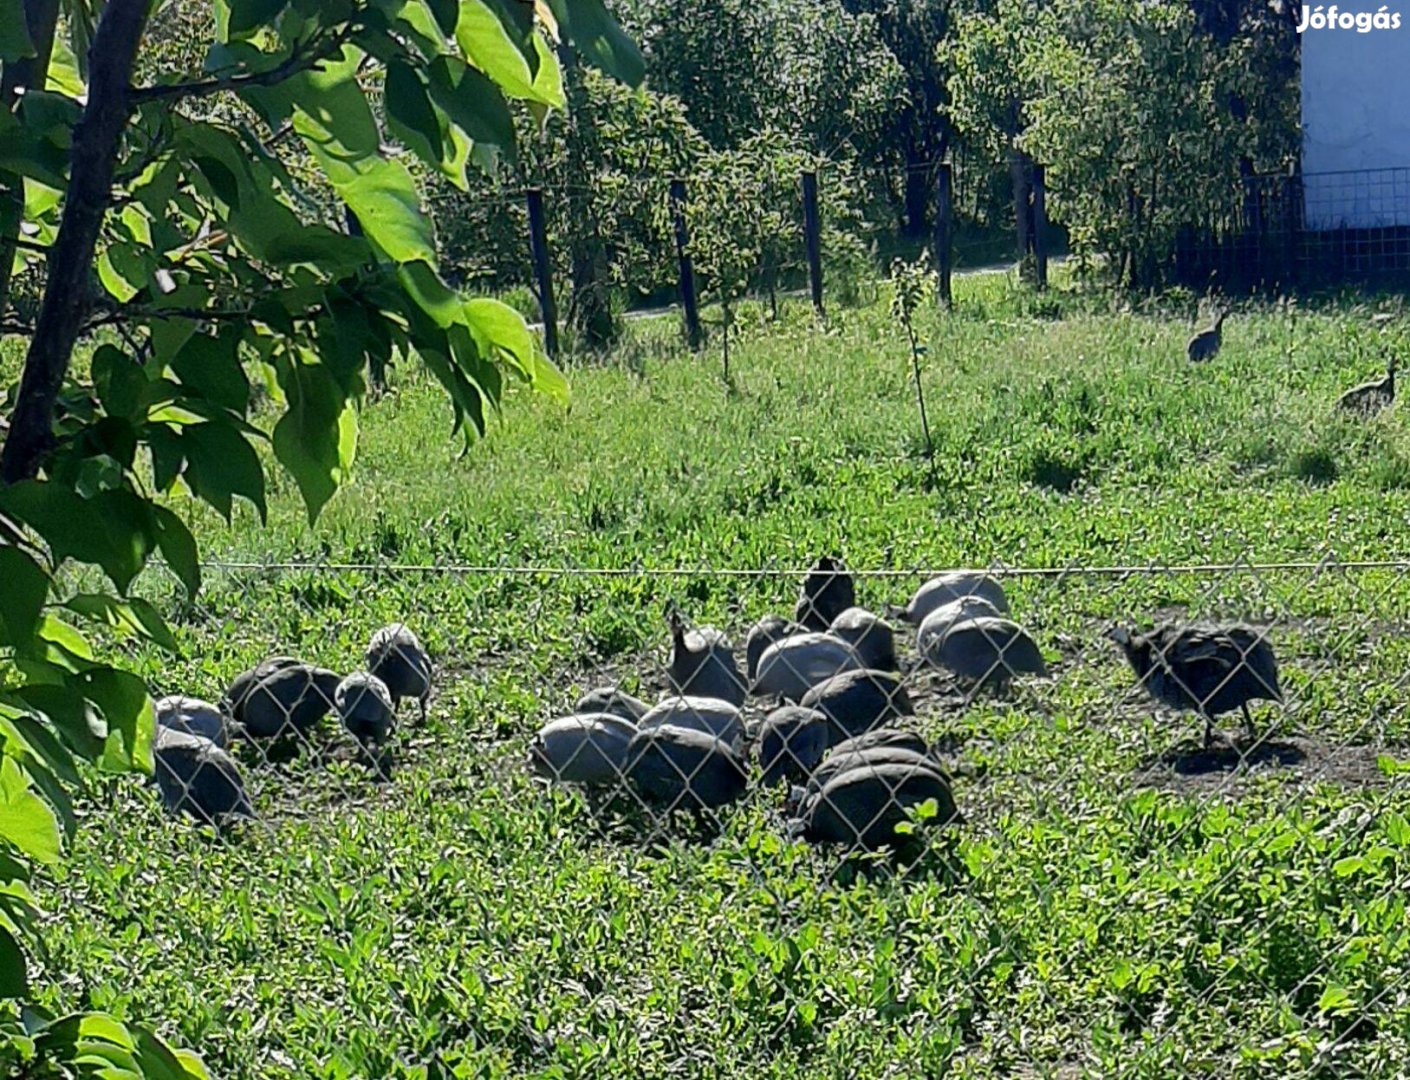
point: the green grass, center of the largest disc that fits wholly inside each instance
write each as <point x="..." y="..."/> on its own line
<point x="464" y="921"/>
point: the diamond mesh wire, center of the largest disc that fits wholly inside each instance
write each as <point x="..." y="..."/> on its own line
<point x="1000" y="753"/>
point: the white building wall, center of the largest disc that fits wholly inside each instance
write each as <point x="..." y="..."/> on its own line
<point x="1356" y="123"/>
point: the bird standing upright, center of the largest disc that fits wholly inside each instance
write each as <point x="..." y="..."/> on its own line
<point x="1205" y="344"/>
<point x="1210" y="669"/>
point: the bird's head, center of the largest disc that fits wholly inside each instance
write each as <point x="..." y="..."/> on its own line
<point x="1130" y="644"/>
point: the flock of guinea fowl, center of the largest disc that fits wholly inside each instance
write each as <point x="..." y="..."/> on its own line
<point x="835" y="732"/>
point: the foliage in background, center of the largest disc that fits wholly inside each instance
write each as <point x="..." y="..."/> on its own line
<point x="1147" y="116"/>
<point x="162" y="219"/>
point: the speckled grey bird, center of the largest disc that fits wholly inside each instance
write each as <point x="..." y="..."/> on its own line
<point x="198" y="777"/>
<point x="396" y="656"/>
<point x="702" y="663"/>
<point x="365" y="707"/>
<point x="828" y="591"/>
<point x="194" y="717"/>
<point x="281" y="697"/>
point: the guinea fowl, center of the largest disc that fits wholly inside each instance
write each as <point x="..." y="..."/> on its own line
<point x="702" y="662"/>
<point x="397" y="657"/>
<point x="1370" y="398"/>
<point x="364" y="705"/>
<point x="1209" y="669"/>
<point x="827" y="592"/>
<point x="195" y="775"/>
<point x="194" y="717"/>
<point x="280" y="697"/>
<point x="1205" y="344"/>
<point x="950" y="588"/>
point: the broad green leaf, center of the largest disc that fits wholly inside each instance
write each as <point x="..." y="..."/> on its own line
<point x="118" y="380"/>
<point x="597" y="36"/>
<point x="412" y="116"/>
<point x="488" y="44"/>
<point x="472" y="103"/>
<point x="26" y="821"/>
<point x="65" y="520"/>
<point x="382" y="194"/>
<point x="222" y="464"/>
<point x="122" y="698"/>
<point x="48" y="763"/>
<point x="14" y="32"/>
<point x="316" y="438"/>
<point x="446" y="12"/>
<point x="14" y="976"/>
<point x="501" y="333"/>
<point x="430" y="293"/>
<point x="64" y="77"/>
<point x="134" y="616"/>
<point x="548" y="79"/>
<point x="209" y="365"/>
<point x="69" y="714"/>
<point x="26" y="587"/>
<point x="249" y="15"/>
<point x="178" y="548"/>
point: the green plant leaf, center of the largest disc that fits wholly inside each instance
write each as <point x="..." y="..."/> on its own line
<point x="65" y="520"/>
<point x="316" y="438"/>
<point x="14" y="976"/>
<point x="14" y="32"/>
<point x="134" y="616"/>
<point x="249" y="15"/>
<point x="178" y="547"/>
<point x="412" y="116"/>
<point x="597" y="36"/>
<point x="123" y="700"/>
<point x="474" y="104"/>
<point x="67" y="712"/>
<point x="22" y="598"/>
<point x="221" y="464"/>
<point x="26" y="821"/>
<point x="489" y="44"/>
<point x="209" y="365"/>
<point x="118" y="380"/>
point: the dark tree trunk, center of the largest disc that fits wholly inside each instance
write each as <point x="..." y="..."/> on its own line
<point x="41" y="16"/>
<point x="915" y="195"/>
<point x="66" y="293"/>
<point x="590" y="310"/>
<point x="1020" y="174"/>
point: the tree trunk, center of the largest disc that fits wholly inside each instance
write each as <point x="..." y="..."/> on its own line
<point x="41" y="16"/>
<point x="1018" y="172"/>
<point x="66" y="293"/>
<point x="915" y="196"/>
<point x="590" y="311"/>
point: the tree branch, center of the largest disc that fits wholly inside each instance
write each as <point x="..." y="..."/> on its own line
<point x="66" y="297"/>
<point x="297" y="63"/>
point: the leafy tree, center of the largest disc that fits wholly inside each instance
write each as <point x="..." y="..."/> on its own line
<point x="920" y="134"/>
<point x="1143" y="119"/>
<point x="190" y="226"/>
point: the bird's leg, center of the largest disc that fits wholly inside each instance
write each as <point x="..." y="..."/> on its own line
<point x="1208" y="731"/>
<point x="422" y="703"/>
<point x="1248" y="722"/>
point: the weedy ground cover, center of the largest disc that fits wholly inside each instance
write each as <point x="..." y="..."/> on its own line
<point x="1107" y="906"/>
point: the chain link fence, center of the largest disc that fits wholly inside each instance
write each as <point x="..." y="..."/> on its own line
<point x="1196" y="769"/>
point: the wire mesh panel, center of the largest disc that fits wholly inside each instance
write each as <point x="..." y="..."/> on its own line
<point x="1125" y="820"/>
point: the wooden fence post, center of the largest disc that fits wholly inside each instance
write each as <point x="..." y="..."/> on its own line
<point x="944" y="213"/>
<point x="688" y="300"/>
<point x="543" y="269"/>
<point x="812" y="238"/>
<point x="1040" y="226"/>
